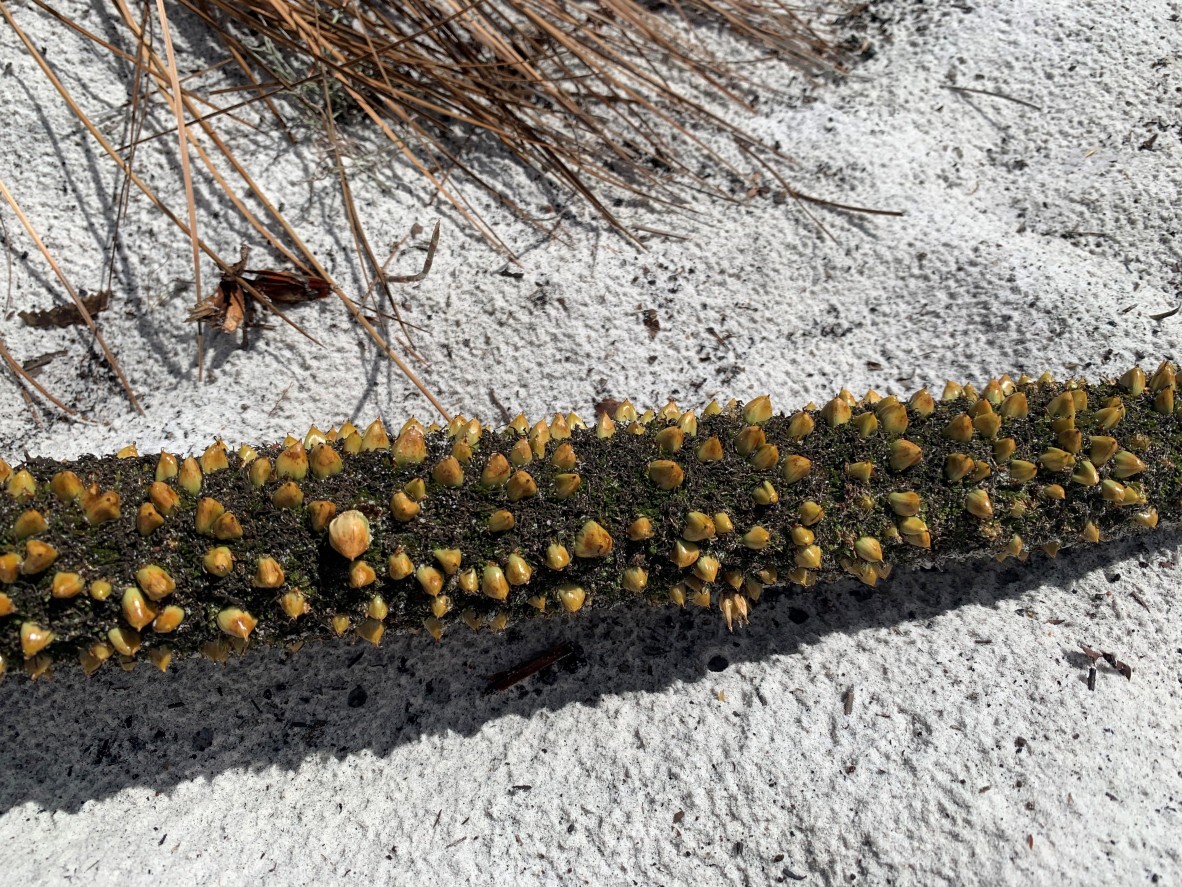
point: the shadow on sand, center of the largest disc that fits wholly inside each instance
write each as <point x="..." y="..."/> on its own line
<point x="72" y="739"/>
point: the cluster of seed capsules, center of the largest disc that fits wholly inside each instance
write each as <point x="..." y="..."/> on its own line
<point x="349" y="532"/>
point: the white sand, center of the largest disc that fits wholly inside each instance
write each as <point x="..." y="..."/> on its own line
<point x="974" y="752"/>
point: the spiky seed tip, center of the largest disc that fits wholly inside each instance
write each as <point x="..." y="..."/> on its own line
<point x="634" y="579"/>
<point x="449" y="559"/>
<point x="163" y="497"/>
<point x="802" y="536"/>
<point x="959" y="429"/>
<point x="538" y="437"/>
<point x="808" y="557"/>
<point x="127" y="452"/>
<point x="1022" y="471"/>
<point x="765" y="494"/>
<point x="403" y="507"/>
<point x="236" y="622"/>
<point x="666" y="474"/>
<point x="1101" y="448"/>
<point x="521" y="453"/>
<point x="904" y="454"/>
<point x="34" y="638"/>
<point x="1003" y="449"/>
<point x="1163" y="401"/>
<point x="189" y="477"/>
<point x="66" y="486"/>
<point x="1055" y="459"/>
<point x="218" y="561"/>
<point x="669" y="440"/>
<point x="1112" y="491"/>
<point x="905" y="503"/>
<point x="796" y="468"/>
<point x="295" y="604"/>
<point x="1086" y="474"/>
<point x="566" y="485"/>
<point x="493" y="583"/>
<point x="260" y="472"/>
<point x="166" y="467"/>
<point x="758" y="411"/>
<point x="1108" y="418"/>
<point x="572" y="597"/>
<point x="1163" y="378"/>
<point x="99" y="508"/>
<point x="860" y="472"/>
<point x="135" y="609"/>
<point x="10" y="567"/>
<point x="169" y="619"/>
<point x="517" y="570"/>
<point x="501" y="521"/>
<point x="496" y="472"/>
<point x="429" y="579"/>
<point x="30" y="523"/>
<point x="604" y="426"/>
<point x="227" y="528"/>
<point x="349" y="534"/>
<point x="677" y="595"/>
<point x="440" y="606"/>
<point x="361" y="574"/>
<point x="1054" y="492"/>
<point x="21" y="485"/>
<point x="757" y="538"/>
<point x="749" y="439"/>
<point x="866" y="425"/>
<point x="892" y="416"/>
<point x="698" y="527"/>
<point x="126" y="641"/>
<point x="521" y="486"/>
<point x="810" y="513"/>
<point x="765" y="457"/>
<point x="1147" y="518"/>
<point x="39" y="557"/>
<point x="564" y="458"/>
<point x="922" y="403"/>
<point x="375" y="437"/>
<point x="723" y="525"/>
<point x="292" y="463"/>
<point x="710" y="450"/>
<point x="978" y="505"/>
<point x="206" y="515"/>
<point x="288" y="495"/>
<point x="1133" y="381"/>
<point x="214" y="458"/>
<point x="1126" y="464"/>
<point x="559" y="428"/>
<point x="324" y="461"/>
<point x="706" y="568"/>
<point x="869" y="549"/>
<point x="836" y="412"/>
<point x="684" y="553"/>
<point x="1015" y="406"/>
<point x="958" y="466"/>
<point x="640" y="529"/>
<point x="268" y="573"/>
<point x="734" y="609"/>
<point x="66" y="585"/>
<point x="1091" y="532"/>
<point x="593" y="541"/>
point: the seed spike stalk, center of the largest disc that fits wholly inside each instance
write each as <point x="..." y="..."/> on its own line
<point x="444" y="529"/>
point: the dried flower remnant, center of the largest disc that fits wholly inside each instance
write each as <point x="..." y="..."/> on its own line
<point x="405" y="536"/>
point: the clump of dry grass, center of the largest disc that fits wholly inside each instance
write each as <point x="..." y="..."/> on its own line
<point x="580" y="91"/>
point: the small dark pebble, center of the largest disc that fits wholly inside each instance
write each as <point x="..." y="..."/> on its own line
<point x="718" y="663"/>
<point x="797" y="615"/>
<point x="357" y="697"/>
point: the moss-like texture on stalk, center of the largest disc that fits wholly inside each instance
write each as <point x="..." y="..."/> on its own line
<point x="443" y="529"/>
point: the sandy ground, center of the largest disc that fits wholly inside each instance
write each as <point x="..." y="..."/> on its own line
<point x="1038" y="235"/>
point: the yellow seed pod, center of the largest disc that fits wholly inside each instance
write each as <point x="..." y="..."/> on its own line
<point x="517" y="570"/>
<point x="218" y="561"/>
<point x="66" y="486"/>
<point x="904" y="454"/>
<point x="259" y="472"/>
<point x="669" y="440"/>
<point x="905" y="503"/>
<point x="375" y="437"/>
<point x="214" y="458"/>
<point x="169" y="619"/>
<point x="288" y="495"/>
<point x="429" y="579"/>
<point x="860" y="472"/>
<point x="684" y="553"/>
<point x="226" y="528"/>
<point x="709" y="450"/>
<point x="361" y="575"/>
<point x="236" y="622"/>
<point x="493" y="583"/>
<point x="521" y="453"/>
<point x="189" y="477"/>
<point x="800" y="426"/>
<point x="557" y="557"/>
<point x="1022" y="471"/>
<point x="126" y="641"/>
<point x="496" y="472"/>
<point x="572" y="597"/>
<point x="268" y="573"/>
<point x="698" y="527"/>
<point x="810" y="513"/>
<point x="564" y="458"/>
<point x="958" y="466"/>
<point x="136" y="610"/>
<point x="39" y="557"/>
<point x="634" y="579"/>
<point x="593" y="541"/>
<point x="403" y="507"/>
<point x="399" y="566"/>
<point x="448" y="472"/>
<point x="166" y="467"/>
<point x="665" y="474"/>
<point x="30" y="523"/>
<point x="756" y="538"/>
<point x="521" y="486"/>
<point x="977" y="504"/>
<point x="808" y="557"/>
<point x="66" y="585"/>
<point x="501" y="521"/>
<point x="960" y="429"/>
<point x="869" y="549"/>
